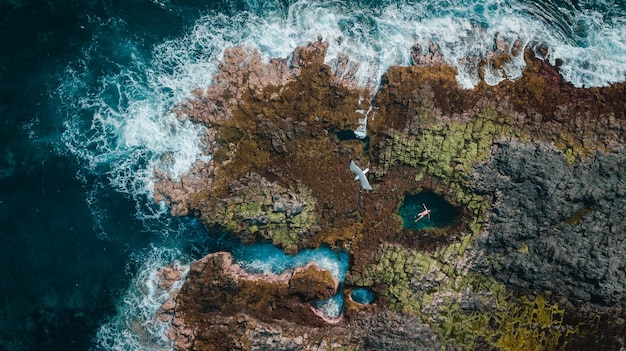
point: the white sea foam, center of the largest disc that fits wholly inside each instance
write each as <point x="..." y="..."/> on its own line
<point x="586" y="38"/>
<point x="333" y="306"/>
<point x="118" y="101"/>
<point x="135" y="327"/>
<point x="465" y="32"/>
<point x="599" y="64"/>
<point x="122" y="126"/>
<point x="266" y="258"/>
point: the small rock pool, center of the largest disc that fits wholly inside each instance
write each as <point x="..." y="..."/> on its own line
<point x="265" y="258"/>
<point x="363" y="296"/>
<point x="442" y="212"/>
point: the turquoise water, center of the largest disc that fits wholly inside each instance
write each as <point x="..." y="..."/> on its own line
<point x="85" y="93"/>
<point x="364" y="296"/>
<point x="442" y="213"/>
<point x="266" y="258"/>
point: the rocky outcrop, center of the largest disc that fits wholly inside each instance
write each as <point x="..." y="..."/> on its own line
<point x="169" y="280"/>
<point x="245" y="89"/>
<point x="556" y="227"/>
<point x="312" y="283"/>
<point x="221" y="307"/>
<point x="392" y="331"/>
<point x="256" y="208"/>
<point x="534" y="166"/>
<point x="215" y="283"/>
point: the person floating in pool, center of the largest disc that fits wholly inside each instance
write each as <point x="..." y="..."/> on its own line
<point x="423" y="214"/>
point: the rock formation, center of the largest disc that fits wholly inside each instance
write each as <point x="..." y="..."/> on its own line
<point x="534" y="166"/>
<point x="556" y="227"/>
<point x="223" y="307"/>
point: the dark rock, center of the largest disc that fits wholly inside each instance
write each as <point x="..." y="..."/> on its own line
<point x="393" y="331"/>
<point x="554" y="226"/>
<point x="280" y="172"/>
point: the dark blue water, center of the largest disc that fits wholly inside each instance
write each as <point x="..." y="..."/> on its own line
<point x="442" y="213"/>
<point x="85" y="84"/>
<point x="64" y="261"/>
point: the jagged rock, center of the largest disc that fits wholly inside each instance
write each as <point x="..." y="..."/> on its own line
<point x="312" y="283"/>
<point x="392" y="331"/>
<point x="241" y="71"/>
<point x="556" y="227"/>
<point x="170" y="275"/>
<point x="209" y="314"/>
<point x="279" y="171"/>
<point x="257" y="208"/>
<point x="430" y="56"/>
<point x="312" y="54"/>
<point x="216" y="284"/>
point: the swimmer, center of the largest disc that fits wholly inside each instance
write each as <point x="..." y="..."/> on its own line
<point x="423" y="214"/>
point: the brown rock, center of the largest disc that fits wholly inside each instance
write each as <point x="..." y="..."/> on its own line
<point x="170" y="275"/>
<point x="221" y="306"/>
<point x="312" y="54"/>
<point x="430" y="56"/>
<point x="311" y="283"/>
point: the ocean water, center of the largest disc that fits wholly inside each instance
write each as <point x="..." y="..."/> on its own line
<point x="86" y="89"/>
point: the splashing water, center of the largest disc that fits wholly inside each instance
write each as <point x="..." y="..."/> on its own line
<point x="120" y="123"/>
<point x="118" y="97"/>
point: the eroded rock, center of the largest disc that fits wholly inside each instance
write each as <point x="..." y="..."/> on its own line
<point x="556" y="227"/>
<point x="280" y="172"/>
<point x="221" y="307"/>
<point x="312" y="283"/>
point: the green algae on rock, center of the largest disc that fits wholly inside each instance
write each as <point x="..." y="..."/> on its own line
<point x="220" y="307"/>
<point x="287" y="135"/>
<point x="280" y="172"/>
<point x="425" y="120"/>
<point x="259" y="208"/>
<point x="467" y="309"/>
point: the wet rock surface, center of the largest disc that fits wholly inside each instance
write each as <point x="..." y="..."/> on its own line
<point x="312" y="283"/>
<point x="223" y="307"/>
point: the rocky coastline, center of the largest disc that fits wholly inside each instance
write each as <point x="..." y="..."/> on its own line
<point x="535" y="167"/>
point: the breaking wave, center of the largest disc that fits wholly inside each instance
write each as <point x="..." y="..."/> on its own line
<point x="118" y="96"/>
<point x="135" y="326"/>
<point x="120" y="122"/>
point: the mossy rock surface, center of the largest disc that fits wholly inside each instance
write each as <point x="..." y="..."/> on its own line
<point x="280" y="173"/>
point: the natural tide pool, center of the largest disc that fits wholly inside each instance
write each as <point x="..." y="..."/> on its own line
<point x="363" y="296"/>
<point x="442" y="213"/>
<point x="265" y="258"/>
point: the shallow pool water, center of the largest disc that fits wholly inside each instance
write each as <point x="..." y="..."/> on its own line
<point x="266" y="258"/>
<point x="442" y="213"/>
<point x="364" y="296"/>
